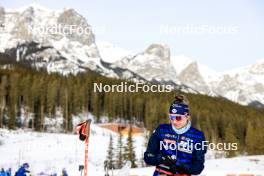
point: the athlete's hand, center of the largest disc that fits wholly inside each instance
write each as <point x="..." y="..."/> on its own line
<point x="167" y="160"/>
<point x="182" y="169"/>
<point x="171" y="163"/>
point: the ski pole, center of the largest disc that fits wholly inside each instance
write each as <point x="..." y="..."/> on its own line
<point x="86" y="148"/>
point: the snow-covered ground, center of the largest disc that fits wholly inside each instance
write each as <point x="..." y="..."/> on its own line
<point x="51" y="152"/>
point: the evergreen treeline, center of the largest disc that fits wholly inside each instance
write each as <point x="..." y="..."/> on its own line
<point x="117" y="156"/>
<point x="39" y="93"/>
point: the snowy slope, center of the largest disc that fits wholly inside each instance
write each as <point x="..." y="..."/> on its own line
<point x="111" y="53"/>
<point x="49" y="152"/>
<point x="180" y="62"/>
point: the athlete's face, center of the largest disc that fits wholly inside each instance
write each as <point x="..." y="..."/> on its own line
<point x="180" y="122"/>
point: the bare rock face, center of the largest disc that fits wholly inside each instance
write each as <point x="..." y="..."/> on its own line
<point x="244" y="85"/>
<point x="37" y="23"/>
<point x="159" y="50"/>
<point x="2" y="15"/>
<point x="192" y="77"/>
<point x="62" y="30"/>
<point x="82" y="30"/>
<point x="153" y="64"/>
<point x="54" y="40"/>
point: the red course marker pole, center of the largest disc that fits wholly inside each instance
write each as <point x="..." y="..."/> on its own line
<point x="86" y="148"/>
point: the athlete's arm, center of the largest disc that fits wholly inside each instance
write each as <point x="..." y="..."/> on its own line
<point x="152" y="155"/>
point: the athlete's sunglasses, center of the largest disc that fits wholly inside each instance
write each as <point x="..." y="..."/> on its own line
<point x="177" y="117"/>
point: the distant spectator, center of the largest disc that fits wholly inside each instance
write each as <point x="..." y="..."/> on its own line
<point x="53" y="174"/>
<point x="2" y="172"/>
<point x="64" y="172"/>
<point x="23" y="170"/>
<point x="8" y="172"/>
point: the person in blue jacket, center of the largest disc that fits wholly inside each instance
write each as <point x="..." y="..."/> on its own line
<point x="177" y="148"/>
<point x="2" y="172"/>
<point x="8" y="172"/>
<point x="64" y="172"/>
<point x="23" y="170"/>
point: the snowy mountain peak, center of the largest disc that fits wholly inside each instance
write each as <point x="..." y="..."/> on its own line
<point x="243" y="85"/>
<point x="36" y="23"/>
<point x="153" y="64"/>
<point x="208" y="74"/>
<point x="55" y="40"/>
<point x="180" y="62"/>
<point x="56" y="33"/>
<point x="257" y="68"/>
<point x="159" y="50"/>
<point x="192" y="77"/>
<point x="112" y="53"/>
<point x="81" y="29"/>
<point x="193" y="74"/>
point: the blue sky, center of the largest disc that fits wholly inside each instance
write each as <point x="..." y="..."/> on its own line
<point x="134" y="25"/>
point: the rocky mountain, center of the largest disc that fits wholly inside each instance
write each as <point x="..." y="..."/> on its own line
<point x="154" y="65"/>
<point x="244" y="85"/>
<point x="62" y="41"/>
<point x="194" y="74"/>
<point x="56" y="40"/>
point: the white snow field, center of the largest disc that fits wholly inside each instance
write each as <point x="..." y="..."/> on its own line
<point x="50" y="152"/>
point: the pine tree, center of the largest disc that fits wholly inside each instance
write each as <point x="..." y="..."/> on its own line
<point x="51" y="98"/>
<point x="129" y="154"/>
<point x="42" y="95"/>
<point x="96" y="105"/>
<point x="13" y="98"/>
<point x="250" y="138"/>
<point x="27" y="99"/>
<point x="65" y="107"/>
<point x="3" y="83"/>
<point x="230" y="137"/>
<point x="110" y="153"/>
<point x="119" y="153"/>
<point x="260" y="136"/>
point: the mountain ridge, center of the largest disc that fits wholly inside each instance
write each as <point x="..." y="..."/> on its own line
<point x="72" y="53"/>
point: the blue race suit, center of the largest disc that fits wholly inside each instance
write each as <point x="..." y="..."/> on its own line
<point x="21" y="171"/>
<point x="184" y="153"/>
